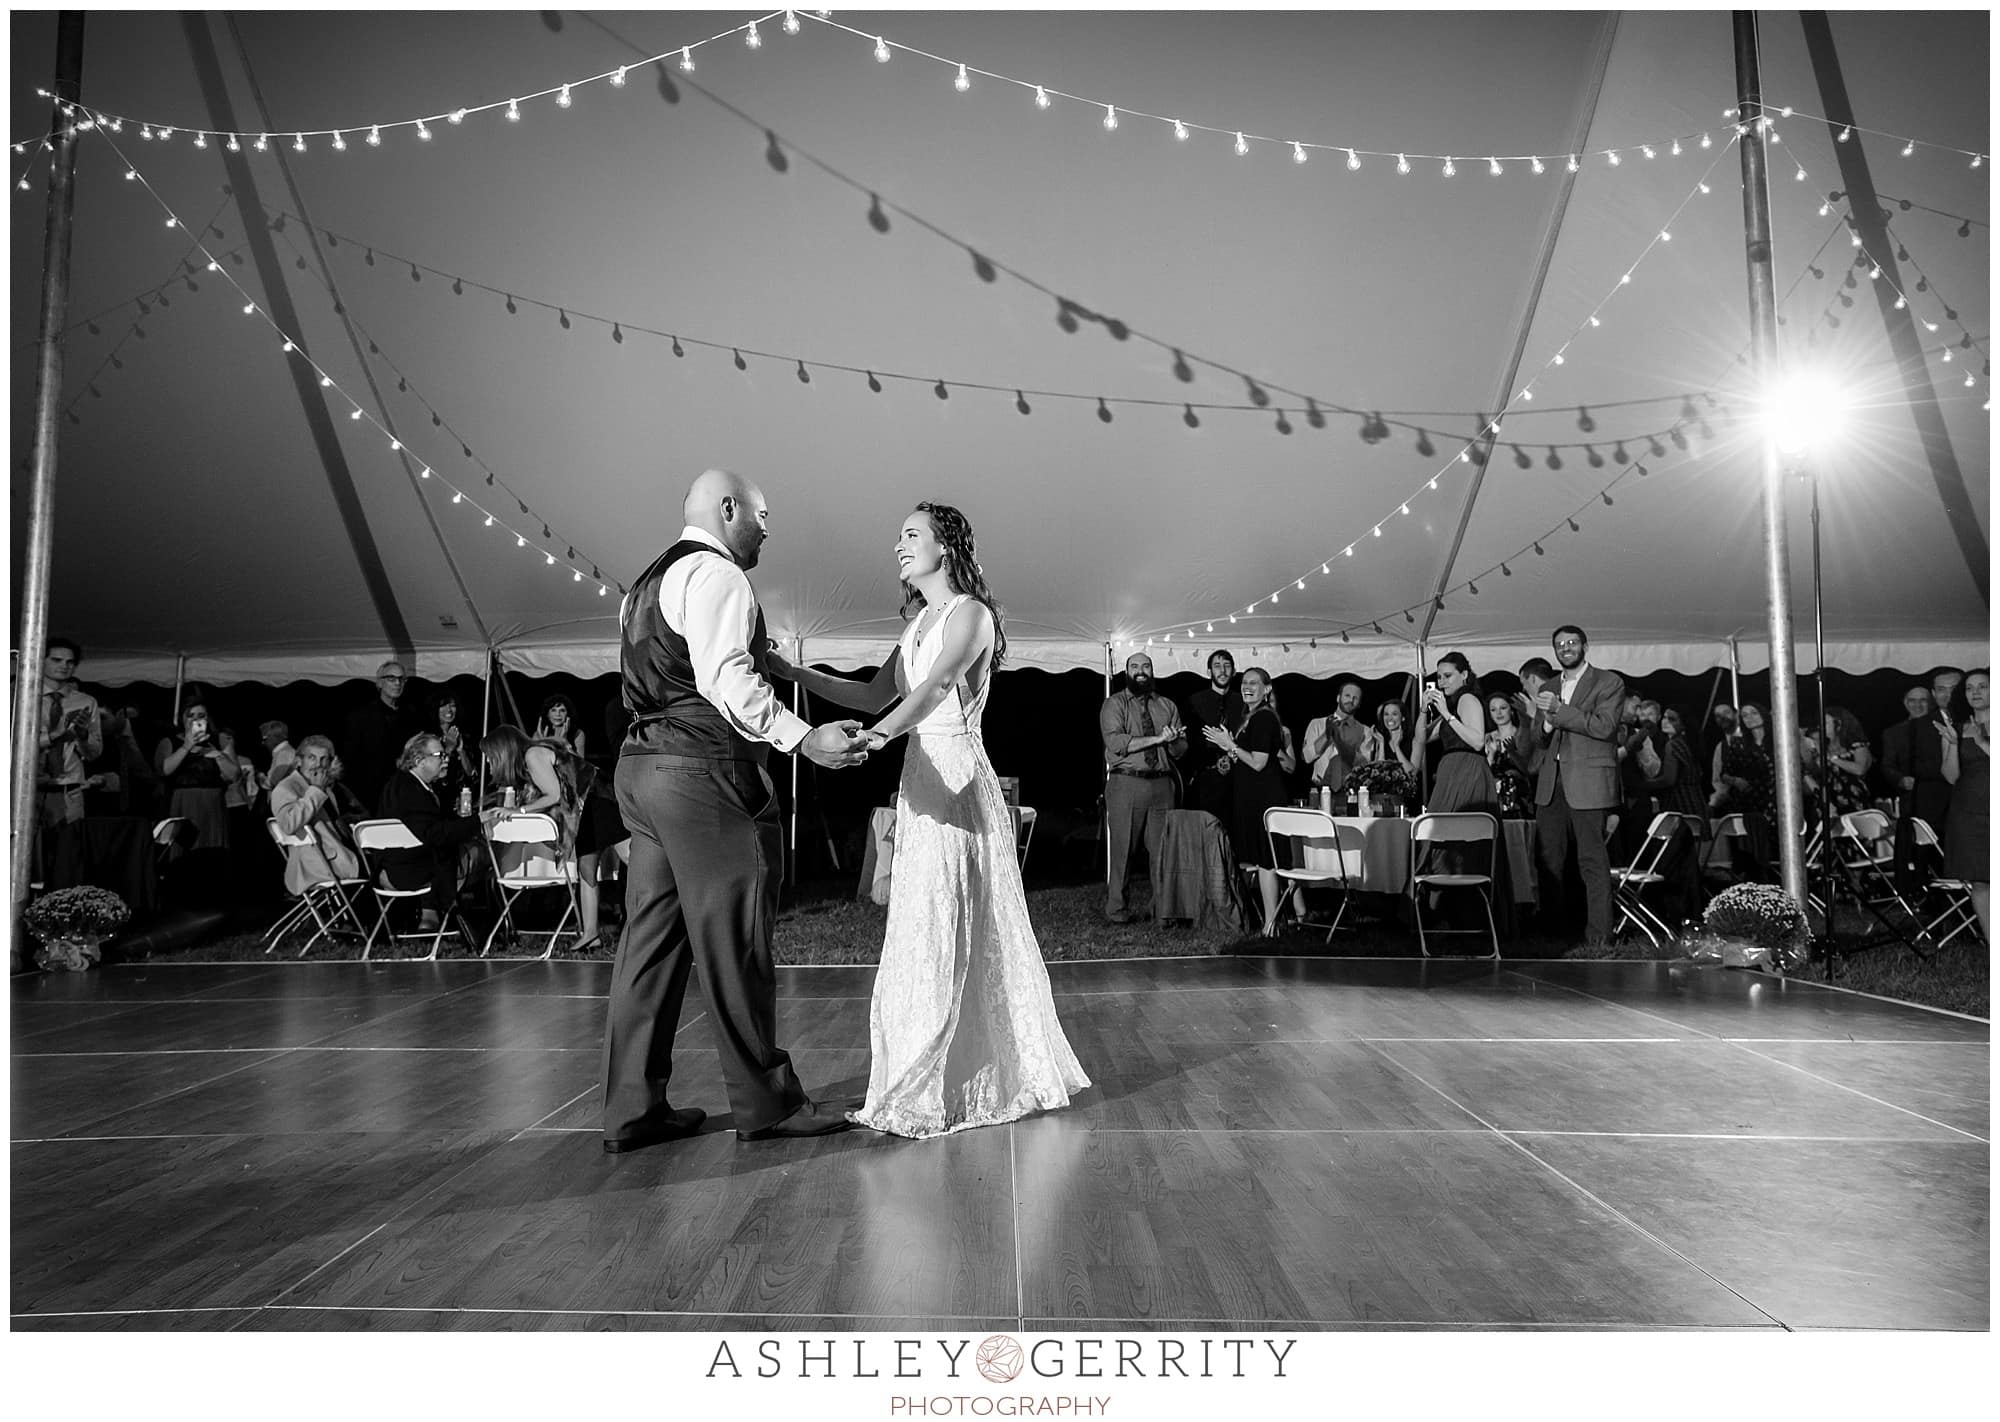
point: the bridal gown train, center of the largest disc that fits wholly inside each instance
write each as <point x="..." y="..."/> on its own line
<point x="962" y="1029"/>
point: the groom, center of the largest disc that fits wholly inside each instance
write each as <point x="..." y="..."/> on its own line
<point x="707" y="847"/>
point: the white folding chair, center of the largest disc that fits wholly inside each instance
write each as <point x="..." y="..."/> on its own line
<point x="1864" y="847"/>
<point x="1457" y="828"/>
<point x="325" y="901"/>
<point x="557" y="871"/>
<point x="1316" y="856"/>
<point x="1629" y="884"/>
<point x="1024" y="830"/>
<point x="1952" y="898"/>
<point x="372" y="836"/>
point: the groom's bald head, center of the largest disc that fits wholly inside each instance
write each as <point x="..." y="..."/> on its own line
<point x="731" y="508"/>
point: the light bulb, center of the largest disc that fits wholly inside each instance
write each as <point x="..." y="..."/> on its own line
<point x="602" y="590"/>
<point x="1595" y="322"/>
<point x="1404" y="510"/>
<point x="1844" y="134"/>
<point x="1110" y="117"/>
<point x="963" y="81"/>
<point x="250" y="309"/>
<point x="513" y="110"/>
<point x="1449" y="169"/>
<point x="881" y="51"/>
<point x="1676" y="149"/>
<point x="687" y="60"/>
<point x="751" y="39"/>
<point x="1353" y="162"/>
<point x="201" y="140"/>
<point x="1706" y="141"/>
<point x="457" y="497"/>
<point x="1535" y="166"/>
<point x="339" y="143"/>
<point x="549" y="559"/>
<point x="1704" y="188"/>
<point x="298" y="143"/>
<point x="575" y="576"/>
<point x="1800" y="176"/>
<point x="1377" y="530"/>
<point x="1615" y="159"/>
<point x="489" y="522"/>
<point x="355" y="413"/>
<point x="1274" y="600"/>
<point x="1301" y="583"/>
<point x="1348" y="551"/>
<point x="617" y="82"/>
<point x="1572" y="163"/>
<point x="1527" y="394"/>
<point x="1493" y="166"/>
<point x="423" y="132"/>
<point x="324" y="380"/>
<point x="130" y="174"/>
<point x="1666" y="236"/>
<point x="1901" y="302"/>
<point x="458" y="115"/>
<point x="791" y="22"/>
<point x="1402" y="165"/>
<point x="1647" y="149"/>
<point x="146" y="132"/>
<point x="1558" y="359"/>
<point x="375" y="136"/>
<point x="1977" y="159"/>
<point x="1241" y="146"/>
<point x="1041" y="97"/>
<point x="562" y="97"/>
<point x="1180" y="130"/>
<point x="394" y="444"/>
<point x="519" y="541"/>
<point x="263" y="143"/>
<point x="1909" y="148"/>
<point x="1298" y="152"/>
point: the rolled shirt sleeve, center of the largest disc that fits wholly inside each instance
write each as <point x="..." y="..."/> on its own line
<point x="718" y="618"/>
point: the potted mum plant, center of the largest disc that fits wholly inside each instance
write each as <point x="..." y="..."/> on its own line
<point x="1753" y="926"/>
<point x="72" y="925"/>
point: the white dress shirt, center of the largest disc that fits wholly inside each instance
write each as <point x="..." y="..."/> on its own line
<point x="709" y="602"/>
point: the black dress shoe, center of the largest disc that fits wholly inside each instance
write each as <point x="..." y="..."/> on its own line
<point x="673" y="1126"/>
<point x="811" y="1119"/>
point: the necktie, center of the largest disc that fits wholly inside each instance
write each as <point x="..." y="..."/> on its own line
<point x="1146" y="728"/>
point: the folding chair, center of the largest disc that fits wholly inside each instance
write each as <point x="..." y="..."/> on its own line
<point x="1313" y="847"/>
<point x="1454" y="828"/>
<point x="313" y="901"/>
<point x="1864" y="847"/>
<point x="1629" y="885"/>
<point x="1024" y="830"/>
<point x="371" y="836"/>
<point x="555" y="872"/>
<point x="1953" y="897"/>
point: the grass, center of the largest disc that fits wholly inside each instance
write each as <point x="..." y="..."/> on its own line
<point x="823" y="923"/>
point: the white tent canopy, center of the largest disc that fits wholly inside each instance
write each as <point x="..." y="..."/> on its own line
<point x="196" y="516"/>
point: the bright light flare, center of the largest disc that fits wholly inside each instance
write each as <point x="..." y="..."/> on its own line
<point x="1807" y="410"/>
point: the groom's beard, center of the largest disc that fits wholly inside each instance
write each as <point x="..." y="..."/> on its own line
<point x="1141" y="685"/>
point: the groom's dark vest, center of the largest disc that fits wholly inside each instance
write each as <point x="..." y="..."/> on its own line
<point x="656" y="674"/>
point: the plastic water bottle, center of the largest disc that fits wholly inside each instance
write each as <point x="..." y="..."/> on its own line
<point x="507" y="798"/>
<point x="464" y="802"/>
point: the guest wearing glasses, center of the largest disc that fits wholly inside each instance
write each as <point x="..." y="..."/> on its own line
<point x="411" y="796"/>
<point x="1578" y="783"/>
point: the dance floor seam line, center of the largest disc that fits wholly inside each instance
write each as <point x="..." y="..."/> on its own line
<point x="1014" y="1219"/>
<point x="557" y="1112"/>
<point x="1857" y="1091"/>
<point x="1592" y="1196"/>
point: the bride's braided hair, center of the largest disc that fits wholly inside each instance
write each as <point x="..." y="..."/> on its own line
<point x="961" y="567"/>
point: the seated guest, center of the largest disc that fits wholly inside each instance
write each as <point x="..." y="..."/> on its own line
<point x="303" y="800"/>
<point x="1968" y="765"/>
<point x="559" y="723"/>
<point x="411" y="796"/>
<point x="71" y="736"/>
<point x="1844" y="760"/>
<point x="550" y="780"/>
<point x="1333" y="743"/>
<point x="277" y="738"/>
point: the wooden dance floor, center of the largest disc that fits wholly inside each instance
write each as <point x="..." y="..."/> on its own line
<point x="1274" y="1145"/>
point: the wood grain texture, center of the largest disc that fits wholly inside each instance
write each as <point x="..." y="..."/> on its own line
<point x="69" y="1096"/>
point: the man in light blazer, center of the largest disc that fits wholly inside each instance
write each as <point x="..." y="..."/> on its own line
<point x="1577" y="726"/>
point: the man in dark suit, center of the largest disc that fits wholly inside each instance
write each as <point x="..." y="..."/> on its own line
<point x="1216" y="704"/>
<point x="1913" y="766"/>
<point x="376" y="733"/>
<point x="411" y="796"/>
<point x="1530" y="746"/>
<point x="1576" y="721"/>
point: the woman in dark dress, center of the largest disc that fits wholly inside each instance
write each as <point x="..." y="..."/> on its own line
<point x="1462" y="780"/>
<point x="197" y="772"/>
<point x="1968" y="765"/>
<point x="1256" y="784"/>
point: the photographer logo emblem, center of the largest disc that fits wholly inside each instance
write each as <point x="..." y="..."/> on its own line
<point x="999" y="1359"/>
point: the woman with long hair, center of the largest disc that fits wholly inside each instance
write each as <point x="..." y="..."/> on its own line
<point x="459" y="768"/>
<point x="1968" y="765"/>
<point x="1457" y="723"/>
<point x="197" y="773"/>
<point x="547" y="778"/>
<point x="1256" y="784"/>
<point x="1748" y="780"/>
<point x="962" y="1028"/>
<point x="1390" y="740"/>
<point x="559" y="723"/>
<point x="1844" y="760"/>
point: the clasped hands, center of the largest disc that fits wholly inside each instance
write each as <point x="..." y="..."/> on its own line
<point x="1219" y="738"/>
<point x="840" y="744"/>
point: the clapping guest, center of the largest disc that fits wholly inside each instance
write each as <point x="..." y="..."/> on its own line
<point x="559" y="723"/>
<point x="1456" y="722"/>
<point x="1748" y="779"/>
<point x="1390" y="740"/>
<point x="1333" y="743"/>
<point x="1256" y="784"/>
<point x="1506" y="713"/>
<point x="1216" y="704"/>
<point x="460" y="769"/>
<point x="1968" y="765"/>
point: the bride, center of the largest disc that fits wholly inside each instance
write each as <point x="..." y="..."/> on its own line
<point x="963" y="1028"/>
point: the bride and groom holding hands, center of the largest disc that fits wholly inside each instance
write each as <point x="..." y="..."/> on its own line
<point x="962" y="1026"/>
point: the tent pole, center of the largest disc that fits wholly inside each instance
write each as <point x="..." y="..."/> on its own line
<point x="33" y="643"/>
<point x="485" y="721"/>
<point x="1735" y="677"/>
<point x="1105" y="799"/>
<point x="1418" y="747"/>
<point x="798" y="709"/>
<point x="1765" y="368"/>
<point x="180" y="683"/>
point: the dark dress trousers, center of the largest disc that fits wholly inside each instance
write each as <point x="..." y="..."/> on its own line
<point x="1576" y="785"/>
<point x="702" y="887"/>
<point x="435" y="865"/>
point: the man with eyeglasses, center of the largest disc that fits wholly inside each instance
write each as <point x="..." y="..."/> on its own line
<point x="411" y="796"/>
<point x="377" y="731"/>
<point x="1576" y="720"/>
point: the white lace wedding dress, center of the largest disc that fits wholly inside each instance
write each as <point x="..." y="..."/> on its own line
<point x="963" y="1029"/>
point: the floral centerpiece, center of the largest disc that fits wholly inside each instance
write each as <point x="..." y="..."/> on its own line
<point x="1387" y="783"/>
<point x="1753" y="926"/>
<point x="72" y="925"/>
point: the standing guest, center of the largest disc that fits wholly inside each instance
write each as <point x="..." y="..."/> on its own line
<point x="277" y="739"/>
<point x="459" y="767"/>
<point x="411" y="796"/>
<point x="1578" y="783"/>
<point x="1333" y="743"/>
<point x="1515" y="793"/>
<point x="239" y="801"/>
<point x="197" y="773"/>
<point x="377" y="733"/>
<point x="1255" y="785"/>
<point x="1913" y="764"/>
<point x="1722" y="726"/>
<point x="1748" y="779"/>
<point x="1457" y="724"/>
<point x="1968" y="765"/>
<point x="1844" y="761"/>
<point x="302" y="799"/>
<point x="559" y="722"/>
<point x="1391" y="740"/>
<point x="1677" y="785"/>
<point x="1528" y="745"/>
<point x="1945" y="702"/>
<point x="1216" y="704"/>
<point x="71" y="735"/>
<point x="1141" y="731"/>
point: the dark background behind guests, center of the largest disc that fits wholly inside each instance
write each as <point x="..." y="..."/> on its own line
<point x="1040" y="727"/>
